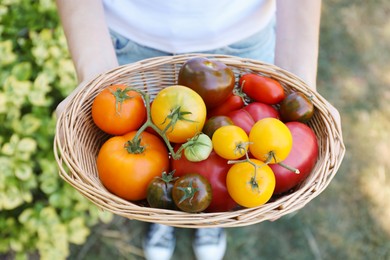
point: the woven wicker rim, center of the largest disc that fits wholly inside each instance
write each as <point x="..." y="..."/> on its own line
<point x="77" y="141"/>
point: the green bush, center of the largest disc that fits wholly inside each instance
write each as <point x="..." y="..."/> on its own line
<point x="40" y="214"/>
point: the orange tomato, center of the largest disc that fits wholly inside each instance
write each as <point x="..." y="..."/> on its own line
<point x="118" y="110"/>
<point x="180" y="112"/>
<point x="250" y="186"/>
<point x="125" y="170"/>
<point x="270" y="140"/>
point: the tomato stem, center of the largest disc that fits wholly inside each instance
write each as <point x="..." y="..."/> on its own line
<point x="149" y="123"/>
<point x="271" y="155"/>
<point x="240" y="92"/>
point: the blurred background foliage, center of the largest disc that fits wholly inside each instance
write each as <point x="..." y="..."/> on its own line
<point x="41" y="217"/>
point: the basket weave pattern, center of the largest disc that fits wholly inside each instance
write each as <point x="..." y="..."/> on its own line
<point x="78" y="140"/>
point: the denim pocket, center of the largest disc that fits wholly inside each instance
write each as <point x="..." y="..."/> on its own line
<point x="120" y="43"/>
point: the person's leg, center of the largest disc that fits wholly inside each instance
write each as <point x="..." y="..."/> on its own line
<point x="209" y="243"/>
<point x="159" y="242"/>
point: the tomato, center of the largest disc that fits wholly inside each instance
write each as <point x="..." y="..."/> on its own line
<point x="233" y="102"/>
<point x="125" y="167"/>
<point x="118" y="110"/>
<point x="259" y="110"/>
<point x="198" y="148"/>
<point x="211" y="79"/>
<point x="230" y="142"/>
<point x="246" y="117"/>
<point x="214" y="168"/>
<point x="250" y="186"/>
<point x="296" y="107"/>
<point x="192" y="193"/>
<point x="303" y="156"/>
<point x="179" y="111"/>
<point x="261" y="88"/>
<point x="159" y="191"/>
<point x="270" y="140"/>
<point x="242" y="118"/>
<point x="215" y="122"/>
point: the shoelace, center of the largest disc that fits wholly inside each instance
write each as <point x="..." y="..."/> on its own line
<point x="208" y="236"/>
<point x="161" y="235"/>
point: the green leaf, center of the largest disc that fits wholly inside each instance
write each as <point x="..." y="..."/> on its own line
<point x="23" y="172"/>
<point x="22" y="71"/>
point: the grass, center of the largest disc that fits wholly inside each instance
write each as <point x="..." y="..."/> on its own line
<point x="350" y="219"/>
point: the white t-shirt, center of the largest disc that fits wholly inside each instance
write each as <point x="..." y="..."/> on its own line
<point x="177" y="26"/>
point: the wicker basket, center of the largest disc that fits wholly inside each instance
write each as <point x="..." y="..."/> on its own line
<point x="78" y="140"/>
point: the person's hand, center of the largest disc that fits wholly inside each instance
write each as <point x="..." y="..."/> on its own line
<point x="61" y="106"/>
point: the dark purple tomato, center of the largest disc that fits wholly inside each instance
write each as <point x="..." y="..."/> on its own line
<point x="192" y="193"/>
<point x="159" y="192"/>
<point x="296" y="107"/>
<point x="211" y="79"/>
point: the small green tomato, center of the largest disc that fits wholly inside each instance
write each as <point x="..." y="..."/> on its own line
<point x="198" y="148"/>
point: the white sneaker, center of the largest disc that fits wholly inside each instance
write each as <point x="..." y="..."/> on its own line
<point x="209" y="243"/>
<point x="159" y="243"/>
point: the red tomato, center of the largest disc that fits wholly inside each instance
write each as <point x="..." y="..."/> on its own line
<point x="261" y="88"/>
<point x="260" y="110"/>
<point x="246" y="117"/>
<point x="215" y="169"/>
<point x="303" y="156"/>
<point x="242" y="118"/>
<point x="233" y="102"/>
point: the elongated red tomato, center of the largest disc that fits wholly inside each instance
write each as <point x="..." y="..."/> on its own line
<point x="126" y="167"/>
<point x="233" y="102"/>
<point x="261" y="88"/>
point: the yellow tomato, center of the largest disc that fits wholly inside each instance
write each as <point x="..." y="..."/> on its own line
<point x="230" y="142"/>
<point x="250" y="186"/>
<point x="180" y="112"/>
<point x="270" y="140"/>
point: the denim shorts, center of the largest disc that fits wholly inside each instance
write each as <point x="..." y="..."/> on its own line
<point x="260" y="46"/>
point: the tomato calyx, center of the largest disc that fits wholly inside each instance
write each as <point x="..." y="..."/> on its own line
<point x="168" y="177"/>
<point x="175" y="115"/>
<point x="120" y="97"/>
<point x="134" y="146"/>
<point x="188" y="192"/>
<point x="241" y="148"/>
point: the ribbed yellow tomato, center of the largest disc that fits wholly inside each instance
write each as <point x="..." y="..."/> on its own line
<point x="178" y="111"/>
